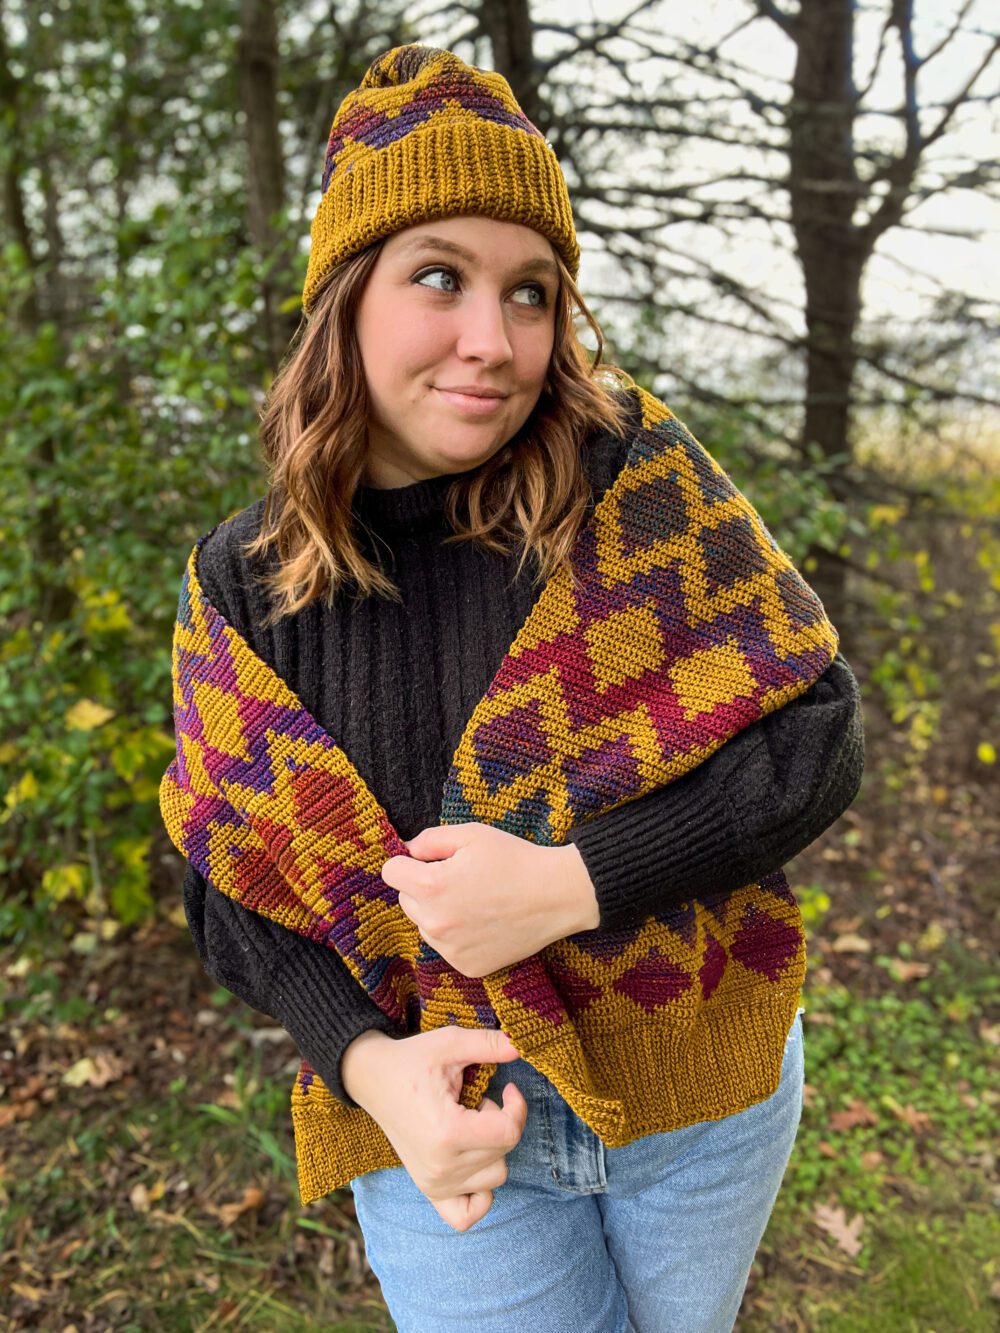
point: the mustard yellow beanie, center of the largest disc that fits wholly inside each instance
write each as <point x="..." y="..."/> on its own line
<point x="427" y="136"/>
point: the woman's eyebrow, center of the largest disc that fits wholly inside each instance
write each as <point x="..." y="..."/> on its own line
<point x="421" y="243"/>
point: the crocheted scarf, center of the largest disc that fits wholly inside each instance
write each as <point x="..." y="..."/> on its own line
<point x="682" y="624"/>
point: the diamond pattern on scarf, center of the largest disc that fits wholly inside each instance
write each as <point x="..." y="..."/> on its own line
<point x="677" y="635"/>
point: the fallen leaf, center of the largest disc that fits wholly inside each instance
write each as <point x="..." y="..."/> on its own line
<point x="916" y="1120"/>
<point x="19" y="1111"/>
<point x="902" y="969"/>
<point x="33" y="1294"/>
<point x="832" y="1219"/>
<point x="870" y="1160"/>
<point x="86" y="714"/>
<point x="28" y="1089"/>
<point x="855" y="1113"/>
<point x="98" y="1070"/>
<point x="258" y="1036"/>
<point x="138" y="1197"/>
<point x="252" y="1199"/>
<point x="846" y="923"/>
<point x="851" y="944"/>
<point x="933" y="937"/>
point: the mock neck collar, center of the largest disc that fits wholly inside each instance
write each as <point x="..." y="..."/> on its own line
<point x="418" y="506"/>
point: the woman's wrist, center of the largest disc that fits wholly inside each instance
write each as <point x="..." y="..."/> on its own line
<point x="579" y="895"/>
<point x="357" y="1061"/>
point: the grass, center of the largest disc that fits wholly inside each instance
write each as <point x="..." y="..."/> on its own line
<point x="917" y="1073"/>
<point x="925" y="1275"/>
<point x="166" y="1198"/>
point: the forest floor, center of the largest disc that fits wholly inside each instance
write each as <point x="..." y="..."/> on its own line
<point x="146" y="1162"/>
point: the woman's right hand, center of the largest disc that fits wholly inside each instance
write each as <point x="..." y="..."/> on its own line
<point x="410" y="1086"/>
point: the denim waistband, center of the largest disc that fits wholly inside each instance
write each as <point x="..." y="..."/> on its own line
<point x="556" y="1143"/>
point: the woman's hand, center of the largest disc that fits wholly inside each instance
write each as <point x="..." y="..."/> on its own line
<point x="485" y="899"/>
<point x="410" y="1086"/>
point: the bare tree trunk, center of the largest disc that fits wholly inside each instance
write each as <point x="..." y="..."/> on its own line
<point x="508" y="25"/>
<point x="823" y="187"/>
<point x="258" y="63"/>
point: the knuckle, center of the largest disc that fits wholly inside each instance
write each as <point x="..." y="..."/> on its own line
<point x="427" y="881"/>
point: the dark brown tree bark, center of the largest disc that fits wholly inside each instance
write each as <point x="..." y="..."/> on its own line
<point x="509" y="27"/>
<point x="258" y="66"/>
<point x="837" y="218"/>
<point x="823" y="190"/>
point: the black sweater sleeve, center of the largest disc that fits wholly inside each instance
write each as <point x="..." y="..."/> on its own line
<point x="759" y="800"/>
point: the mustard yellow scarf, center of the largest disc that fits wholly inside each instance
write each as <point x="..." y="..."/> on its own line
<point x="685" y="624"/>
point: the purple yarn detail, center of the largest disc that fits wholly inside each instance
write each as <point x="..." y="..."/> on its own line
<point x="377" y="130"/>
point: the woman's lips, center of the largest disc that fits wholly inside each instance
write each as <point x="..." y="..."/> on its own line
<point x="472" y="405"/>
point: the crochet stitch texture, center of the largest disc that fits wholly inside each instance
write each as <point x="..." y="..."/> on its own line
<point x="684" y="624"/>
<point x="427" y="136"/>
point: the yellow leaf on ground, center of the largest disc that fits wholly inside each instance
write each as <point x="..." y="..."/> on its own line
<point x="98" y="1070"/>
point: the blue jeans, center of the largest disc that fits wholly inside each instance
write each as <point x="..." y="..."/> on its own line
<point x="580" y="1238"/>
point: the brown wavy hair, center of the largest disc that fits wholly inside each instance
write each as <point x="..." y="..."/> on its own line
<point x="533" y="490"/>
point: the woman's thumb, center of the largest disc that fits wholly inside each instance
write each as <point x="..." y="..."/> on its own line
<point x="504" y="1047"/>
<point x="482" y="1046"/>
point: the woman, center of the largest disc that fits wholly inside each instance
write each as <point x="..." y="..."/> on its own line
<point x="439" y="389"/>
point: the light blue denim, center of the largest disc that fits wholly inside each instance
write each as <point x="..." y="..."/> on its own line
<point x="655" y="1237"/>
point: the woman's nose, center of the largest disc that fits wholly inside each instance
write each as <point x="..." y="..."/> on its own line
<point x="482" y="333"/>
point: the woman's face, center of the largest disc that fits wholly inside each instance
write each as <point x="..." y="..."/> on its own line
<point x="461" y="303"/>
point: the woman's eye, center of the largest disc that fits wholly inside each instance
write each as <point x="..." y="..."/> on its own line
<point x="432" y="272"/>
<point x="537" y="292"/>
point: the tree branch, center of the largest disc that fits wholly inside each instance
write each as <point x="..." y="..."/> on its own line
<point x="901" y="172"/>
<point x="767" y="9"/>
<point x="949" y="35"/>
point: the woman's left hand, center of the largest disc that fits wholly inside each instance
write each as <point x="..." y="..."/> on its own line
<point x="484" y="898"/>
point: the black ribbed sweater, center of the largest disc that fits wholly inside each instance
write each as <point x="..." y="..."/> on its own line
<point x="395" y="685"/>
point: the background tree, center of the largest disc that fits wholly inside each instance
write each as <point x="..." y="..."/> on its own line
<point x="158" y="162"/>
<point x="664" y="137"/>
